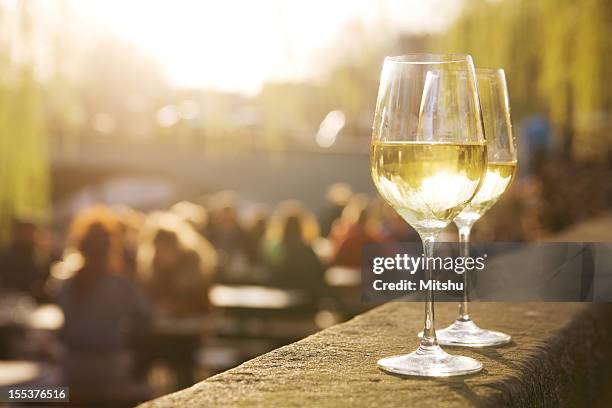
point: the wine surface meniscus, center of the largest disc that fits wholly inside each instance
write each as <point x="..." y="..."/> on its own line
<point x="428" y="184"/>
<point x="496" y="181"/>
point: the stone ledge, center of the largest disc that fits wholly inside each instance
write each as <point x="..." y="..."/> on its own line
<point x="560" y="355"/>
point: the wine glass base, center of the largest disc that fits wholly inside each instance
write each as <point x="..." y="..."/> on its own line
<point x="468" y="334"/>
<point x="430" y="362"/>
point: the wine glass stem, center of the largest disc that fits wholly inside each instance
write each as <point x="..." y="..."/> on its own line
<point x="464" y="252"/>
<point x="429" y="338"/>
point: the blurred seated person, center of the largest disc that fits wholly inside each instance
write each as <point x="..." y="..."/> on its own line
<point x="288" y="249"/>
<point x="228" y="237"/>
<point x="256" y="226"/>
<point x="131" y="221"/>
<point x="176" y="264"/>
<point x="102" y="310"/>
<point x="346" y="219"/>
<point x="177" y="284"/>
<point x="355" y="229"/>
<point x="338" y="194"/>
<point x="24" y="263"/>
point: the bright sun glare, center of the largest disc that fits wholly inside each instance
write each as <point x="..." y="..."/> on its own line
<point x="236" y="45"/>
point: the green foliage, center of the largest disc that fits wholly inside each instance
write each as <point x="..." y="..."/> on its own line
<point x="557" y="56"/>
<point x="24" y="178"/>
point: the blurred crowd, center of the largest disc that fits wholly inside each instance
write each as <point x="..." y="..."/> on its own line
<point x="116" y="270"/>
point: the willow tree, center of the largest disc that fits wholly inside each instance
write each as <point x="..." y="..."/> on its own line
<point x="557" y="55"/>
<point x="24" y="178"/>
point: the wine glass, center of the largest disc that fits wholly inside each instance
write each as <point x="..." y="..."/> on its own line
<point x="501" y="166"/>
<point x="428" y="159"/>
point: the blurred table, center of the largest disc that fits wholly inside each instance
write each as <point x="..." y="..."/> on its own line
<point x="343" y="276"/>
<point x="237" y="309"/>
<point x="21" y="310"/>
<point x="203" y="324"/>
<point x="46" y="317"/>
<point x="15" y="308"/>
<point x="253" y="319"/>
<point x="19" y="372"/>
<point x="345" y="286"/>
<point x="255" y="297"/>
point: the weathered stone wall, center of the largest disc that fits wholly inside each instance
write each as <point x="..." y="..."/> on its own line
<point x="560" y="356"/>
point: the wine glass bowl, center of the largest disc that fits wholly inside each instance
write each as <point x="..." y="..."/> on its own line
<point x="428" y="147"/>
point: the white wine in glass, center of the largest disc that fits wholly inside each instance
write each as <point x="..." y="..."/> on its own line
<point x="501" y="167"/>
<point x="428" y="159"/>
<point x="497" y="180"/>
<point x="427" y="182"/>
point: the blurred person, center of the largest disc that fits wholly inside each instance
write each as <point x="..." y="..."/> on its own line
<point x="177" y="285"/>
<point x="176" y="265"/>
<point x="131" y="222"/>
<point x="228" y="237"/>
<point x="102" y="311"/>
<point x="25" y="264"/>
<point x="536" y="144"/>
<point x="255" y="229"/>
<point x="195" y="214"/>
<point x="224" y="230"/>
<point x="337" y="197"/>
<point x="360" y="230"/>
<point x="347" y="218"/>
<point x="288" y="249"/>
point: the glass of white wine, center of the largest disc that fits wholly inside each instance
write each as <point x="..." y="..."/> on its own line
<point x="428" y="160"/>
<point x="501" y="166"/>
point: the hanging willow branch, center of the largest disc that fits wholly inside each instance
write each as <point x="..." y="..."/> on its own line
<point x="24" y="172"/>
<point x="557" y="55"/>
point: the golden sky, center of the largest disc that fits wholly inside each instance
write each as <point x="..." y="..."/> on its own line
<point x="236" y="45"/>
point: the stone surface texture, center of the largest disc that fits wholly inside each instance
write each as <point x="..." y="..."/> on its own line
<point x="560" y="355"/>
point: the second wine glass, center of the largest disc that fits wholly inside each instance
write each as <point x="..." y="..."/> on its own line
<point x="501" y="166"/>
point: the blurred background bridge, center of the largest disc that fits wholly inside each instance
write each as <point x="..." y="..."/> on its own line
<point x="152" y="178"/>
